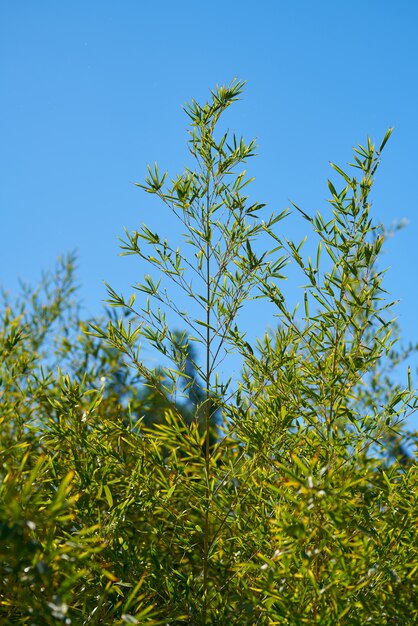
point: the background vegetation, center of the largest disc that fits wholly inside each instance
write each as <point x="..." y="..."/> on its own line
<point x="132" y="494"/>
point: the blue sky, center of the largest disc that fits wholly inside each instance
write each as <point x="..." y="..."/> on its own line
<point x="93" y="90"/>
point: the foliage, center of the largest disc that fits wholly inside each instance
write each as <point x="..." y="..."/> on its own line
<point x="166" y="495"/>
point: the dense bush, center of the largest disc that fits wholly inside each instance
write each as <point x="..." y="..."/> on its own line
<point x="138" y="495"/>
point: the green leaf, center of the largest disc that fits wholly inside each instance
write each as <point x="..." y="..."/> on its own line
<point x="108" y="495"/>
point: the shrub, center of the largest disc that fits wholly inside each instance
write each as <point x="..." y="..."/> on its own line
<point x="165" y="495"/>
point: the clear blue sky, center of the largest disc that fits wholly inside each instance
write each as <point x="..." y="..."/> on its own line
<point x="92" y="90"/>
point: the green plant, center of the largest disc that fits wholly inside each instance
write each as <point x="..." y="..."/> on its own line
<point x="132" y="494"/>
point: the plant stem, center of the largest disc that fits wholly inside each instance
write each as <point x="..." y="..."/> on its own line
<point x="207" y="427"/>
